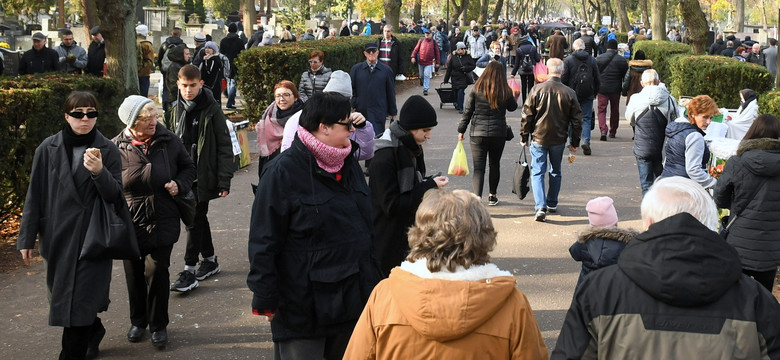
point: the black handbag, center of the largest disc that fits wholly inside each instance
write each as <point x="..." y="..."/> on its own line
<point x="522" y="175"/>
<point x="509" y="133"/>
<point x="471" y="77"/>
<point x="184" y="202"/>
<point x="110" y="233"/>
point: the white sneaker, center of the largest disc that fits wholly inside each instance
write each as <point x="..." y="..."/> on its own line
<point x="400" y="77"/>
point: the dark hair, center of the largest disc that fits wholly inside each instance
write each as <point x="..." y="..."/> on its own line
<point x="317" y="54"/>
<point x="764" y="126"/>
<point x="79" y="99"/>
<point x="189" y="72"/>
<point x="176" y="32"/>
<point x="772" y="41"/>
<point x="64" y="32"/>
<point x="324" y="108"/>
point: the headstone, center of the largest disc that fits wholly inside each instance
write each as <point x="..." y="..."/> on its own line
<point x="11" y="61"/>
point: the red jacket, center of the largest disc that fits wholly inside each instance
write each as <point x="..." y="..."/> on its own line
<point x="428" y="51"/>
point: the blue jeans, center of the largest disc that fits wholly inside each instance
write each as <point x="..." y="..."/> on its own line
<point x="426" y="71"/>
<point x="649" y="170"/>
<point x="461" y="93"/>
<point x="539" y="156"/>
<point x="587" y="116"/>
<point x="231" y="92"/>
<point x="143" y="85"/>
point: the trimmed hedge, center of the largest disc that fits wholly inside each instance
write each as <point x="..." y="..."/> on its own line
<point x="660" y="51"/>
<point x="717" y="76"/>
<point x="260" y="68"/>
<point x="30" y="111"/>
<point x="769" y="103"/>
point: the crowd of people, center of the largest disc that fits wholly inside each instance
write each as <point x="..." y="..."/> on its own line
<point x="408" y="273"/>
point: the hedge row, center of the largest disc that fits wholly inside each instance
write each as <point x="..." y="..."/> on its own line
<point x="717" y="76"/>
<point x="260" y="68"/>
<point x="30" y="111"/>
<point x="661" y="51"/>
<point x="769" y="103"/>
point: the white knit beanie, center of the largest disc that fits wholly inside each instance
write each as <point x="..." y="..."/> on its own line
<point x="340" y="83"/>
<point x="128" y="111"/>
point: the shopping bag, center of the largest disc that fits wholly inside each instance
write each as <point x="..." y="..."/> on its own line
<point x="522" y="175"/>
<point x="540" y="72"/>
<point x="459" y="165"/>
<point x="515" y="86"/>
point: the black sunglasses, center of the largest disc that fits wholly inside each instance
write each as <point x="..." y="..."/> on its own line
<point x="348" y="125"/>
<point x="79" y="114"/>
<point x="371" y="51"/>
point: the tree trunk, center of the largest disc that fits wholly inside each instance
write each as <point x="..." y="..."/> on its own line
<point x="459" y="12"/>
<point x="659" y="19"/>
<point x="584" y="10"/>
<point x="90" y="17"/>
<point x="645" y="14"/>
<point x="117" y="18"/>
<point x="417" y="12"/>
<point x="60" y="14"/>
<point x="497" y="11"/>
<point x="697" y="25"/>
<point x="393" y="12"/>
<point x="739" y="17"/>
<point x="249" y="15"/>
<point x="482" y="19"/>
<point x="625" y="23"/>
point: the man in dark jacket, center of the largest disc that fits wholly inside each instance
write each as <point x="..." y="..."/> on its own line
<point x="544" y="129"/>
<point x="718" y="46"/>
<point x="755" y="56"/>
<point x="160" y="61"/>
<point x="198" y="119"/>
<point x="39" y="59"/>
<point x="581" y="61"/>
<point x="459" y="67"/>
<point x="729" y="50"/>
<point x="678" y="286"/>
<point x="525" y="48"/>
<point x="590" y="44"/>
<point x="96" y="55"/>
<point x="231" y="46"/>
<point x="390" y="52"/>
<point x="557" y="44"/>
<point x="373" y="89"/>
<point x="612" y="68"/>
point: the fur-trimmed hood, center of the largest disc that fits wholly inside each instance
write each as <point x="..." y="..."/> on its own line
<point x="758" y="144"/>
<point x="641" y="63"/>
<point x="623" y="235"/>
<point x="761" y="156"/>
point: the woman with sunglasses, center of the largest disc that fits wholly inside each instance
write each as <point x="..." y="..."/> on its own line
<point x="70" y="170"/>
<point x="270" y="127"/>
<point x="156" y="167"/>
<point x="313" y="81"/>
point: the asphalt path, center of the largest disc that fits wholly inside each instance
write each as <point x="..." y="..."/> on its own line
<point x="215" y="321"/>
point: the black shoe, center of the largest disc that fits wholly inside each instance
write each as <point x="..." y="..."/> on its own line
<point x="425" y="92"/>
<point x="135" y="334"/>
<point x="611" y="136"/>
<point x="93" y="348"/>
<point x="603" y="137"/>
<point x="160" y="338"/>
<point x="552" y="209"/>
<point x="207" y="268"/>
<point x="492" y="200"/>
<point x="586" y="149"/>
<point x="185" y="283"/>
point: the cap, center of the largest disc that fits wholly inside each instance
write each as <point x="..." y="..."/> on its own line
<point x="370" y="46"/>
<point x="95" y="30"/>
<point x="142" y="30"/>
<point x="426" y="30"/>
<point x="39" y="36"/>
<point x="200" y="37"/>
<point x="476" y="28"/>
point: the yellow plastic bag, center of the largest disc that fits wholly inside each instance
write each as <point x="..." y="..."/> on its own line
<point x="459" y="165"/>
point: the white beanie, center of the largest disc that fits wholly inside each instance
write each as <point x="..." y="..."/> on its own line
<point x="142" y="30"/>
<point x="339" y="83"/>
<point x="128" y="111"/>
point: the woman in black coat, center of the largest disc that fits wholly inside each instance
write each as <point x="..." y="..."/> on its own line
<point x="486" y="109"/>
<point x="155" y="168"/>
<point x="458" y="67"/>
<point x="750" y="188"/>
<point x="213" y="69"/>
<point x="68" y="177"/>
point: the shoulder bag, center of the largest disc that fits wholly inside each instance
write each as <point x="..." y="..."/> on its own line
<point x="184" y="202"/>
<point x="110" y="233"/>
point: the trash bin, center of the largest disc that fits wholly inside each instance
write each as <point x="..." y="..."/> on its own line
<point x="242" y="137"/>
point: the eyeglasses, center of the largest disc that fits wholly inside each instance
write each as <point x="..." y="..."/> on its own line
<point x="313" y="61"/>
<point x="371" y="51"/>
<point x="79" y="114"/>
<point x="285" y="95"/>
<point x="349" y="125"/>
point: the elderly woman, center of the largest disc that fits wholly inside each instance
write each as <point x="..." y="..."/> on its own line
<point x="155" y="168"/>
<point x="447" y="300"/>
<point x="270" y="127"/>
<point x="71" y="170"/>
<point x="750" y="188"/>
<point x="685" y="151"/>
<point x="311" y="269"/>
<point x="459" y="66"/>
<point x="747" y="112"/>
<point x="213" y="69"/>
<point x="314" y="80"/>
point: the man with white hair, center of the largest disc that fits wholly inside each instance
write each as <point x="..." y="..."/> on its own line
<point x="677" y="291"/>
<point x="648" y="112"/>
<point x="755" y="56"/>
<point x="582" y="75"/>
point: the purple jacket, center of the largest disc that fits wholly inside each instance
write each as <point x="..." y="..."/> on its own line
<point x="363" y="136"/>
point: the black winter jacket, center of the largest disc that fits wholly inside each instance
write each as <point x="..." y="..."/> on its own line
<point x="176" y="55"/>
<point x="231" y="46"/>
<point x="717" y="47"/>
<point x="154" y="211"/>
<point x="612" y="69"/>
<point x="573" y="62"/>
<point x="677" y="292"/>
<point x="750" y="187"/>
<point x="96" y="57"/>
<point x="524" y="48"/>
<point x="485" y="122"/>
<point x="310" y="245"/>
<point x="457" y="68"/>
<point x="34" y="62"/>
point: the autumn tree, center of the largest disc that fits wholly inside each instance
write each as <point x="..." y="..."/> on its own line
<point x="697" y="24"/>
<point x="625" y="23"/>
<point x="739" y="17"/>
<point x="117" y="25"/>
<point x="392" y="12"/>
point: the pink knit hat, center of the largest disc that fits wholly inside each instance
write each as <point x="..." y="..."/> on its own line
<point x="601" y="212"/>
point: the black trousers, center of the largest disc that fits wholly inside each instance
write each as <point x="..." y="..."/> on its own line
<point x="199" y="241"/>
<point x="148" y="288"/>
<point x="526" y="83"/>
<point x="484" y="149"/>
<point x="76" y="339"/>
<point x="766" y="278"/>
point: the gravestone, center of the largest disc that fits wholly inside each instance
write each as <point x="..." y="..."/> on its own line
<point x="11" y="61"/>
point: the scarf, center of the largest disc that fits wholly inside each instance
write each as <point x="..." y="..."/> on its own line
<point x="406" y="138"/>
<point x="749" y="96"/>
<point x="71" y="139"/>
<point x="270" y="128"/>
<point x="329" y="158"/>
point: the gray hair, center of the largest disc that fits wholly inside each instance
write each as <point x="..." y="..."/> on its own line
<point x="674" y="195"/>
<point x="555" y="67"/>
<point x="578" y="45"/>
<point x="388" y="27"/>
<point x="650" y="77"/>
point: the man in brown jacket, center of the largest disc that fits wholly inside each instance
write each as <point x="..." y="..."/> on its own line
<point x="557" y="44"/>
<point x="145" y="60"/>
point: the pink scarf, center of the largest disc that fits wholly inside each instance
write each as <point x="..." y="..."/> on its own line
<point x="329" y="158"/>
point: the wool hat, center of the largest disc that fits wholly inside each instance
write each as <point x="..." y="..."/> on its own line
<point x="142" y="30"/>
<point x="476" y="28"/>
<point x="601" y="212"/>
<point x="417" y="113"/>
<point x="232" y="27"/>
<point x="200" y="37"/>
<point x="339" y="83"/>
<point x="212" y="45"/>
<point x="460" y="45"/>
<point x="612" y="44"/>
<point x="128" y="111"/>
<point x="639" y="55"/>
<point x="95" y="30"/>
<point x="39" y="36"/>
<point x="370" y="46"/>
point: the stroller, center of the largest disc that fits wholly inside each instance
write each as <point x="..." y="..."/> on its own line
<point x="447" y="95"/>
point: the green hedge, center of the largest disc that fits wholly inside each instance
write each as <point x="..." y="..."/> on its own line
<point x="622" y="37"/>
<point x="769" y="103"/>
<point x="260" y="68"/>
<point x="660" y="52"/>
<point x="717" y="76"/>
<point x="30" y="111"/>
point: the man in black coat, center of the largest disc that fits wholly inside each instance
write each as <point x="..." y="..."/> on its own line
<point x="231" y="46"/>
<point x="612" y="68"/>
<point x="96" y="55"/>
<point x="729" y="50"/>
<point x="718" y="46"/>
<point x="39" y="59"/>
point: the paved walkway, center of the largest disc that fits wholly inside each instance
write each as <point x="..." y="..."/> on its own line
<point x="215" y="320"/>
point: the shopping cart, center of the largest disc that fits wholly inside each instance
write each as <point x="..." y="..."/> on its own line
<point x="447" y="95"/>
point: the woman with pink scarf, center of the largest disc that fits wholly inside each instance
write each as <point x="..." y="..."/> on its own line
<point x="270" y="127"/>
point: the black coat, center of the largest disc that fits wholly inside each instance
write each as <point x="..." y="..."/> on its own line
<point x="34" y="62"/>
<point x="396" y="58"/>
<point x="524" y="48"/>
<point x="750" y="187"/>
<point x="310" y="245"/>
<point x="95" y="58"/>
<point x="612" y="69"/>
<point x="231" y="46"/>
<point x="58" y="208"/>
<point x="169" y="43"/>
<point x="154" y="212"/>
<point x="457" y="68"/>
<point x="485" y="122"/>
<point x="454" y="40"/>
<point x="717" y="47"/>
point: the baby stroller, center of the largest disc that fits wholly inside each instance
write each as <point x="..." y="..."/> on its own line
<point x="447" y="95"/>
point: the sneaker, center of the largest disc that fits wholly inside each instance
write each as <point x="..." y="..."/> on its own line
<point x="207" y="268"/>
<point x="425" y="92"/>
<point x="611" y="136"/>
<point x="185" y="283"/>
<point x="540" y="215"/>
<point x="460" y="111"/>
<point x="492" y="200"/>
<point x="603" y="137"/>
<point x="552" y="209"/>
<point x="586" y="149"/>
<point x="230" y="107"/>
<point x="400" y="77"/>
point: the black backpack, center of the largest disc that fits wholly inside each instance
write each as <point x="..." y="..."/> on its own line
<point x="650" y="127"/>
<point x="583" y="81"/>
<point x="527" y="65"/>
